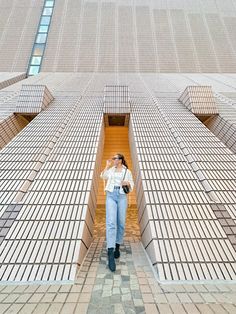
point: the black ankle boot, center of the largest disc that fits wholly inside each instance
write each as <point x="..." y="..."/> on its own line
<point x="111" y="261"/>
<point x="117" y="251"/>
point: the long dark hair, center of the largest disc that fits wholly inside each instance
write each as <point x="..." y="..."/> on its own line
<point x="122" y="157"/>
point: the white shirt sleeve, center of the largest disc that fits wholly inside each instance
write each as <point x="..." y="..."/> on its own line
<point x="130" y="180"/>
<point x="105" y="174"/>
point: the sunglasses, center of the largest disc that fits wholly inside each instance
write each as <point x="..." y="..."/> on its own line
<point x="114" y="158"/>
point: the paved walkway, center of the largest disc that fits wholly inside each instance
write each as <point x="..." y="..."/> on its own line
<point x="131" y="289"/>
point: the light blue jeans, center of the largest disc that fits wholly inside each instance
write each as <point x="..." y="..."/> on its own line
<point x="116" y="206"/>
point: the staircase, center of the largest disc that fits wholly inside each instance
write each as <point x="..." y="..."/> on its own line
<point x="116" y="141"/>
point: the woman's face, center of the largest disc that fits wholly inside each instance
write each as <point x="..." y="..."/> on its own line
<point x="116" y="160"/>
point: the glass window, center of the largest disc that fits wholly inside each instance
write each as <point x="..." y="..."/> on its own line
<point x="38" y="49"/>
<point x="43" y="29"/>
<point x="47" y="11"/>
<point x="41" y="38"/>
<point x="36" y="60"/>
<point x="45" y="20"/>
<point x="34" y="70"/>
<point x="49" y="3"/>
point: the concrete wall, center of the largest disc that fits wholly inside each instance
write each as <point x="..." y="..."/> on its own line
<point x="145" y="36"/>
<point x="18" y="25"/>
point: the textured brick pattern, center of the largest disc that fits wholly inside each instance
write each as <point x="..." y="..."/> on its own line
<point x="116" y="99"/>
<point x="132" y="288"/>
<point x="184" y="179"/>
<point x="10" y="127"/>
<point x="199" y="100"/>
<point x="33" y="99"/>
<point x="7" y="78"/>
<point x="173" y="207"/>
<point x="54" y="253"/>
<point x="224" y="125"/>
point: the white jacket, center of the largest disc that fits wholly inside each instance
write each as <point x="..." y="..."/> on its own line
<point x="109" y="176"/>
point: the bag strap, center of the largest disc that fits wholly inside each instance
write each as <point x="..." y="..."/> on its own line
<point x="124" y="174"/>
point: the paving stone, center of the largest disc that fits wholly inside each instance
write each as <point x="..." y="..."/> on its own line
<point x="84" y="297"/>
<point x="191" y="308"/>
<point x="231" y="297"/>
<point x="200" y="288"/>
<point x="115" y="291"/>
<point x="172" y="298"/>
<point x="60" y="297"/>
<point x="4" y="307"/>
<point x="184" y="298"/>
<point x="125" y="290"/>
<point x="41" y="289"/>
<point x="145" y="288"/>
<point x="135" y="287"/>
<point x="138" y="302"/>
<point x="217" y="309"/>
<point x="230" y="308"/>
<point x="2" y="287"/>
<point x="115" y="299"/>
<point x="168" y="288"/>
<point x="232" y="287"/>
<point x="148" y="298"/>
<point x="22" y="289"/>
<point x="28" y="308"/>
<point x="156" y="289"/>
<point x="23" y="298"/>
<point x="41" y="308"/>
<point x="76" y="289"/>
<point x="208" y="298"/>
<point x="126" y="297"/>
<point x="212" y="288"/>
<point x="14" y="309"/>
<point x="106" y="293"/>
<point x="48" y="297"/>
<point x="151" y="308"/>
<point x="196" y="298"/>
<point x="97" y="287"/>
<point x="118" y="308"/>
<point x="3" y="296"/>
<point x="11" y="298"/>
<point x="221" y="298"/>
<point x="107" y="287"/>
<point x="65" y="288"/>
<point x="160" y="298"/>
<point x="204" y="309"/>
<point x="136" y="294"/>
<point x="223" y="288"/>
<point x="9" y="289"/>
<point x="189" y="288"/>
<point x="164" y="309"/>
<point x="72" y="297"/>
<point x="177" y="308"/>
<point x="99" y="281"/>
<point x="54" y="308"/>
<point x="35" y="298"/>
<point x="179" y="288"/>
<point x="68" y="308"/>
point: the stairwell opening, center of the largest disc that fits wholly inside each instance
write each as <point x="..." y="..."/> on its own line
<point x="116" y="140"/>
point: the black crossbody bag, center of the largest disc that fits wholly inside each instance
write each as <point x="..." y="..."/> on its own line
<point x="125" y="187"/>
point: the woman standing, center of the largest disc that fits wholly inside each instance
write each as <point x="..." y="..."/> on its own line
<point x="116" y="204"/>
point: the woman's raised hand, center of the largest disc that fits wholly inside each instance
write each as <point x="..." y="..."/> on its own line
<point x="109" y="163"/>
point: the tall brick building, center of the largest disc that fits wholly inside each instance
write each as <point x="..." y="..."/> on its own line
<point x="81" y="79"/>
